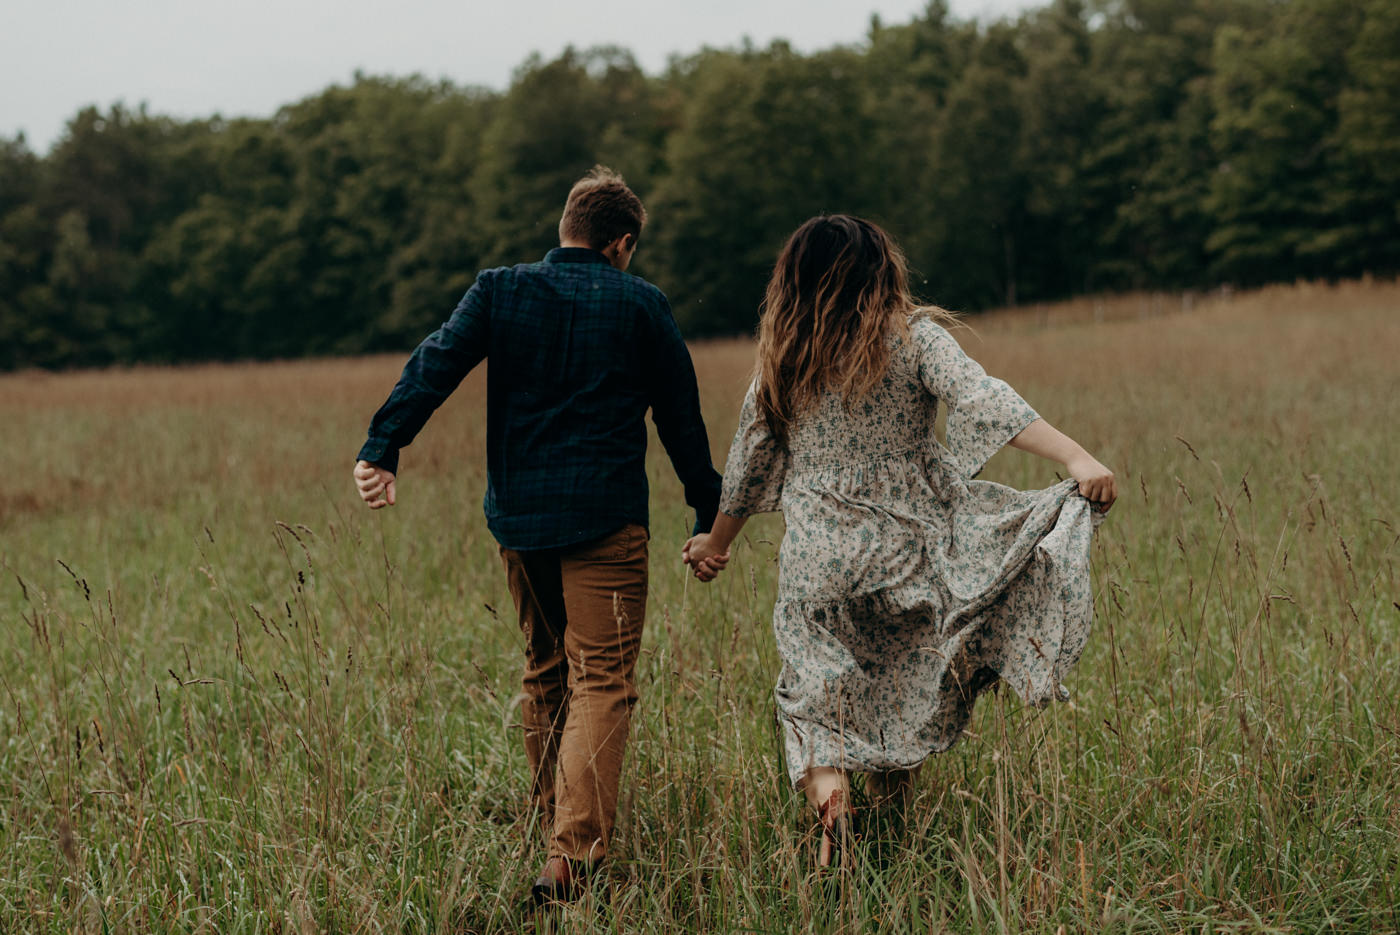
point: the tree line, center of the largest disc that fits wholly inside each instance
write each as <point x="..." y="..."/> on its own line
<point x="1083" y="147"/>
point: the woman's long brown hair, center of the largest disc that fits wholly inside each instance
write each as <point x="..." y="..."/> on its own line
<point x="840" y="290"/>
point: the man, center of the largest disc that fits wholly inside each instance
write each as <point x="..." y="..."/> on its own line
<point x="579" y="350"/>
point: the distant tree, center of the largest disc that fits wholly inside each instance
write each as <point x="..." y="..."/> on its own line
<point x="1287" y="200"/>
<point x="1062" y="110"/>
<point x="1152" y="160"/>
<point x="1082" y="146"/>
<point x="103" y="189"/>
<point x="436" y="261"/>
<point x="1369" y="131"/>
<point x="226" y="268"/>
<point x="909" y="70"/>
<point x="556" y="122"/>
<point x="24" y="243"/>
<point x="310" y="236"/>
<point x="767" y="139"/>
<point x="368" y="168"/>
<point x="978" y="181"/>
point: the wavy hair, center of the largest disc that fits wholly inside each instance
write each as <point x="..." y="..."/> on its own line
<point x="839" y="292"/>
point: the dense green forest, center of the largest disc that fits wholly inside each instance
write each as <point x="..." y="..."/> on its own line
<point x="1084" y="147"/>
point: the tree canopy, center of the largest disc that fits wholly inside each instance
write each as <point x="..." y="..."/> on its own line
<point x="1087" y="145"/>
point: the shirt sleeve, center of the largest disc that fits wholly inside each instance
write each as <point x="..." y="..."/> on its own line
<point x="757" y="465"/>
<point x="674" y="398"/>
<point x="984" y="413"/>
<point x="433" y="371"/>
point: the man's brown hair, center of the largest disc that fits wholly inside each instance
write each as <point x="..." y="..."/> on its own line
<point x="600" y="209"/>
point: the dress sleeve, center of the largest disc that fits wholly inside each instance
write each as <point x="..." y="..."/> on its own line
<point x="984" y="413"/>
<point x="756" y="467"/>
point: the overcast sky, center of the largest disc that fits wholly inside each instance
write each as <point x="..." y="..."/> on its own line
<point x="194" y="58"/>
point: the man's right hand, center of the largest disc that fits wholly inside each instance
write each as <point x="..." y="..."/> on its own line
<point x="703" y="558"/>
<point x="375" y="484"/>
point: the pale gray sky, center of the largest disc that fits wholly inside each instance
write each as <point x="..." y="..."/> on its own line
<point x="193" y="58"/>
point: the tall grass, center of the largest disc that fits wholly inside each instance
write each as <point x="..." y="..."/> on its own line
<point x="232" y="700"/>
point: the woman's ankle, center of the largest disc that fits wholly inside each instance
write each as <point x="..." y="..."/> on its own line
<point x="821" y="781"/>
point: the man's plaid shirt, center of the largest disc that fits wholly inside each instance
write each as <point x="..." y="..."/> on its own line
<point x="578" y="352"/>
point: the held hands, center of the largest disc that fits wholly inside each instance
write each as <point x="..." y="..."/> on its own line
<point x="1096" y="482"/>
<point x="375" y="484"/>
<point x="703" y="558"/>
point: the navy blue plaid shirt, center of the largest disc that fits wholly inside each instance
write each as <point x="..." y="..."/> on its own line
<point x="579" y="351"/>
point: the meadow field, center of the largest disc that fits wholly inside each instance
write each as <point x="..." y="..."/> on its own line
<point x="233" y="700"/>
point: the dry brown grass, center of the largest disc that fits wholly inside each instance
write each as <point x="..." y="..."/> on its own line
<point x="244" y="704"/>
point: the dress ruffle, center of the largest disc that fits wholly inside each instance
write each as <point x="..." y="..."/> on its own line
<point x="881" y="678"/>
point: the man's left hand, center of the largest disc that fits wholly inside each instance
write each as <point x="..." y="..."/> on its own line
<point x="375" y="484"/>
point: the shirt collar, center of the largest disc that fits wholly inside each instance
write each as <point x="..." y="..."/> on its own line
<point x="575" y="255"/>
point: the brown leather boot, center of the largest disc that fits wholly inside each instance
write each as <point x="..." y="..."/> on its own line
<point x="560" y="881"/>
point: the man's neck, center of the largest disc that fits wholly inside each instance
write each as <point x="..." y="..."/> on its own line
<point x="609" y="252"/>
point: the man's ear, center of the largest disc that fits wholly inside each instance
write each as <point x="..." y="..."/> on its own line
<point x="619" y="252"/>
<point x="623" y="244"/>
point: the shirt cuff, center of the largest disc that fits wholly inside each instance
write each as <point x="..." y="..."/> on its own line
<point x="705" y="514"/>
<point x="381" y="454"/>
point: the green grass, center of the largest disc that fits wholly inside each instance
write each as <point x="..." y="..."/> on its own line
<point x="232" y="700"/>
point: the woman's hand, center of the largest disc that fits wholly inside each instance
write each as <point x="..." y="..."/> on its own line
<point x="701" y="554"/>
<point x="1096" y="482"/>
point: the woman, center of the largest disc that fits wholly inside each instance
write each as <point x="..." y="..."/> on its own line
<point x="905" y="588"/>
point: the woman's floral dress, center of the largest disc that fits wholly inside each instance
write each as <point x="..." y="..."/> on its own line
<point x="905" y="588"/>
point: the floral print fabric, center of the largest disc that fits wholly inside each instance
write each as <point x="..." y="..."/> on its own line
<point x="905" y="587"/>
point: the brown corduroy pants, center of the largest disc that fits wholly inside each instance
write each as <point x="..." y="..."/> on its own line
<point x="581" y="609"/>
